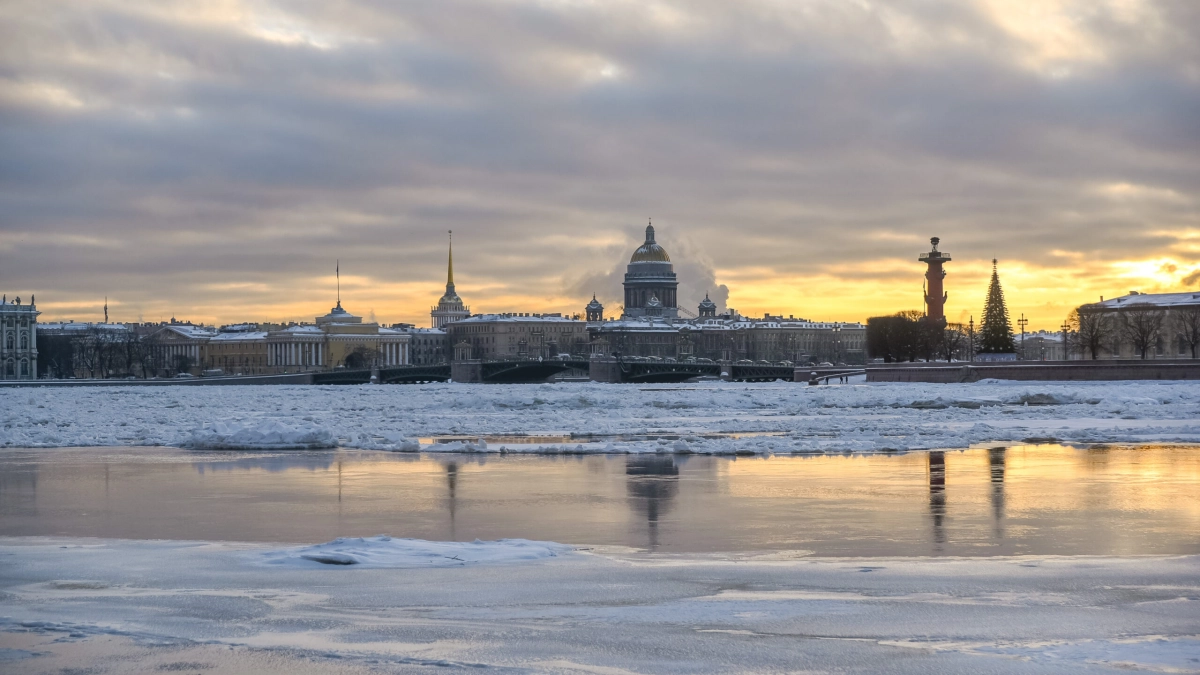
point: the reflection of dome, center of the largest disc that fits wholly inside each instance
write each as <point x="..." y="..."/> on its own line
<point x="650" y="251"/>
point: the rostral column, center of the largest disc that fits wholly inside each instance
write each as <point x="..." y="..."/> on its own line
<point x="935" y="297"/>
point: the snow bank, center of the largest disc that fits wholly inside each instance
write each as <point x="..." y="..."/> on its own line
<point x="265" y="435"/>
<point x="384" y="552"/>
<point x="709" y="418"/>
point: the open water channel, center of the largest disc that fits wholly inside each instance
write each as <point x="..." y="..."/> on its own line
<point x="1040" y="500"/>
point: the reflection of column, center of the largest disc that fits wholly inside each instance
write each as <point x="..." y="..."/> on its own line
<point x="996" y="465"/>
<point x="653" y="483"/>
<point x="451" y="485"/>
<point x="937" y="495"/>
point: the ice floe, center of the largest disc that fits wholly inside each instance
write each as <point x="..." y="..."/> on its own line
<point x="384" y="552"/>
<point x="707" y="418"/>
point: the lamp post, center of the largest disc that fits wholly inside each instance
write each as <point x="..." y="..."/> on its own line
<point x="1065" y="334"/>
<point x="971" y="339"/>
<point x="1022" y="322"/>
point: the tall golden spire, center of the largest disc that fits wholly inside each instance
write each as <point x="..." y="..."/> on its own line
<point x="450" y="262"/>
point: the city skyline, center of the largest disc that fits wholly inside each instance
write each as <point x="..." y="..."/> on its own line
<point x="365" y="288"/>
<point x="212" y="162"/>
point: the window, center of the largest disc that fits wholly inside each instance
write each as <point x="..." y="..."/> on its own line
<point x="8" y="341"/>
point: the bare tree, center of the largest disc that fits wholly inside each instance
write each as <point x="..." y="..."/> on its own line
<point x="182" y="363"/>
<point x="87" y="358"/>
<point x="1092" y="330"/>
<point x="1142" y="326"/>
<point x="1186" y="321"/>
<point x="148" y="356"/>
<point x="954" y="341"/>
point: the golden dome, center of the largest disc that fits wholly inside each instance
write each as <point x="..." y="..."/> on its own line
<point x="650" y="251"/>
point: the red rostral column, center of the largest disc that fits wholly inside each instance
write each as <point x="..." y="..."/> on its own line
<point x="935" y="297"/>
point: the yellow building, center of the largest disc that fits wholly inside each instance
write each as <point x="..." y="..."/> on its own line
<point x="338" y="339"/>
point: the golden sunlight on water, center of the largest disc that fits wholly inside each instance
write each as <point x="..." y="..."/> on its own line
<point x="1045" y="499"/>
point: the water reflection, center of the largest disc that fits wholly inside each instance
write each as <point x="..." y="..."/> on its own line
<point x="996" y="474"/>
<point x="451" y="495"/>
<point x="653" y="483"/>
<point x="937" y="497"/>
<point x="999" y="501"/>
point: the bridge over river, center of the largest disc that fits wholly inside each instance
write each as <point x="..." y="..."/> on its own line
<point x="535" y="370"/>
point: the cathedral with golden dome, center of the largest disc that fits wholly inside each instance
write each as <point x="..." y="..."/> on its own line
<point x="650" y="283"/>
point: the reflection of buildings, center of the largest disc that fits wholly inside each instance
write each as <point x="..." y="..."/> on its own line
<point x="452" y="494"/>
<point x="653" y="483"/>
<point x="996" y="469"/>
<point x="937" y="495"/>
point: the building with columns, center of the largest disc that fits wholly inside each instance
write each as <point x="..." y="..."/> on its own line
<point x="518" y="335"/>
<point x="181" y="347"/>
<point x="650" y="327"/>
<point x="650" y="283"/>
<point x="18" y="339"/>
<point x="338" y="339"/>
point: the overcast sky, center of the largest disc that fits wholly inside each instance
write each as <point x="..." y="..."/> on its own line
<point x="211" y="161"/>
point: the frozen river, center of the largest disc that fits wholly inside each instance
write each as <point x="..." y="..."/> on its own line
<point x="1019" y="500"/>
<point x="724" y="528"/>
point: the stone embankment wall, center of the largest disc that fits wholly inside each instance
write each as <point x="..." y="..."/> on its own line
<point x="295" y="378"/>
<point x="1037" y="370"/>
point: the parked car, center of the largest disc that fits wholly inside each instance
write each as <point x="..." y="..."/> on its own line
<point x="184" y="376"/>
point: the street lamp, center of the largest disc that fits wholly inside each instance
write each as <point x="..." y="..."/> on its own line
<point x="1022" y="322"/>
<point x="1066" y="352"/>
<point x="971" y="339"/>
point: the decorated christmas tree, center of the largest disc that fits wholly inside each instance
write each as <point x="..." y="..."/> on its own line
<point x="995" y="333"/>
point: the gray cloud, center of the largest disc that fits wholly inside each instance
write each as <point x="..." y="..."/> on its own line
<point x="155" y="152"/>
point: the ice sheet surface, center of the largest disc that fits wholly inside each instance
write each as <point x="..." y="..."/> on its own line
<point x="118" y="606"/>
<point x="605" y="417"/>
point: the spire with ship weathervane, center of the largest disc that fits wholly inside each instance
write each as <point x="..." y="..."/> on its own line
<point x="450" y="265"/>
<point x="450" y="307"/>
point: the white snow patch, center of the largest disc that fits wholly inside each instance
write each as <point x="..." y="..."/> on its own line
<point x="384" y="552"/>
<point x="267" y="434"/>
<point x="710" y="418"/>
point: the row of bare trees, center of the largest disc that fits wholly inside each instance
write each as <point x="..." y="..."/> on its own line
<point x="910" y="336"/>
<point x="1093" y="332"/>
<point x="97" y="352"/>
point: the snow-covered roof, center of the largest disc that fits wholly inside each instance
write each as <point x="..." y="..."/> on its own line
<point x="1135" y="299"/>
<point x="714" y="324"/>
<point x="77" y="326"/>
<point x="186" y="330"/>
<point x="518" y="318"/>
<point x="304" y="328"/>
<point x="240" y="335"/>
<point x="418" y="331"/>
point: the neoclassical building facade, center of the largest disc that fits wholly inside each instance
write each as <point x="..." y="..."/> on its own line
<point x="650" y="282"/>
<point x="18" y="339"/>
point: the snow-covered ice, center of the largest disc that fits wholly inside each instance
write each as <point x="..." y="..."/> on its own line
<point x="384" y="552"/>
<point x="711" y="418"/>
<point x="157" y="606"/>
